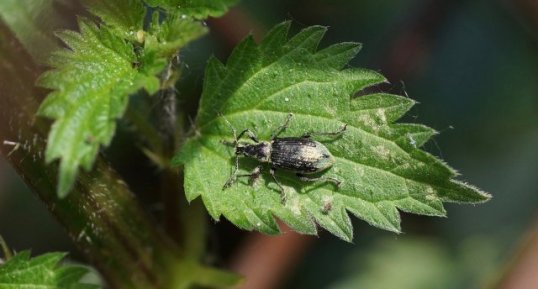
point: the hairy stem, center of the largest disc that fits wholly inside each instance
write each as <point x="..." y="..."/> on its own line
<point x="185" y="223"/>
<point x="165" y="116"/>
<point x="100" y="214"/>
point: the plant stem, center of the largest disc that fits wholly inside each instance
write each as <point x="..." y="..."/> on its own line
<point x="100" y="215"/>
<point x="185" y="223"/>
<point x="165" y="115"/>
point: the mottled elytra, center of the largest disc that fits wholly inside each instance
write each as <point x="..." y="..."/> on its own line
<point x="300" y="155"/>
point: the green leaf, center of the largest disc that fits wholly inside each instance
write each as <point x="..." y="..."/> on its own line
<point x="411" y="263"/>
<point x="380" y="163"/>
<point x="41" y="272"/>
<point x="125" y="16"/>
<point x="91" y="81"/>
<point x="174" y="32"/>
<point x="200" y="9"/>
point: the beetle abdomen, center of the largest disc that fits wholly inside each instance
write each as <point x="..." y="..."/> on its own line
<point x="300" y="154"/>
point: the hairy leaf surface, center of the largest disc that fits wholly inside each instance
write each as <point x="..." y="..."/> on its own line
<point x="91" y="81"/>
<point x="380" y="162"/>
<point x="42" y="272"/>
<point x="200" y="9"/>
<point x="166" y="37"/>
<point x="125" y="16"/>
<point x="102" y="66"/>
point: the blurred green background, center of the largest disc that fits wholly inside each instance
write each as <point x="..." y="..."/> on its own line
<point x="473" y="67"/>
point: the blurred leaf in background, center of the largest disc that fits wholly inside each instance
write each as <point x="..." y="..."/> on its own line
<point x="33" y="22"/>
<point x="421" y="263"/>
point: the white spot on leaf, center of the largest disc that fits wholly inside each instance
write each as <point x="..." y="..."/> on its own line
<point x="412" y="141"/>
<point x="295" y="206"/>
<point x="380" y="113"/>
<point x="382" y="151"/>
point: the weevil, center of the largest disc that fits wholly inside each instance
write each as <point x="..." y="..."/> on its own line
<point x="301" y="155"/>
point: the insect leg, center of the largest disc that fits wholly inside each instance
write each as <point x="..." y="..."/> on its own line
<point x="233" y="176"/>
<point x="250" y="135"/>
<point x="228" y="143"/>
<point x="281" y="128"/>
<point x="253" y="175"/>
<point x="333" y="134"/>
<point x="335" y="181"/>
<point x="280" y="188"/>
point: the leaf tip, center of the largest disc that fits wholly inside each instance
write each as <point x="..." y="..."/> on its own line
<point x="482" y="195"/>
<point x="66" y="179"/>
<point x="396" y="228"/>
<point x="347" y="237"/>
<point x="284" y="25"/>
<point x="465" y="193"/>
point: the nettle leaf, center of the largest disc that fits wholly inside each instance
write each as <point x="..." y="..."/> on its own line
<point x="200" y="9"/>
<point x="41" y="272"/>
<point x="380" y="162"/>
<point x="125" y="16"/>
<point x="91" y="81"/>
<point x="175" y="31"/>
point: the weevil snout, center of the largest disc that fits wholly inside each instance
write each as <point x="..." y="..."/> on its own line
<point x="239" y="150"/>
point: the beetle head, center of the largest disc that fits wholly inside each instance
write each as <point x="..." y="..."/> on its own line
<point x="240" y="149"/>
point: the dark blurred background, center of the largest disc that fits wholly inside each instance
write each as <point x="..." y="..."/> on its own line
<point x="473" y="67"/>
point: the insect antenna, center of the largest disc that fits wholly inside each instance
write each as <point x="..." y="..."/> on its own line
<point x="233" y="176"/>
<point x="234" y="132"/>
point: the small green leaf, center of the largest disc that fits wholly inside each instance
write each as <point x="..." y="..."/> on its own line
<point x="199" y="9"/>
<point x="41" y="272"/>
<point x="125" y="16"/>
<point x="174" y="32"/>
<point x="380" y="163"/>
<point x="91" y="81"/>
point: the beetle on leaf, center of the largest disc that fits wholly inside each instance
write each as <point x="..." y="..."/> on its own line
<point x="301" y="155"/>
